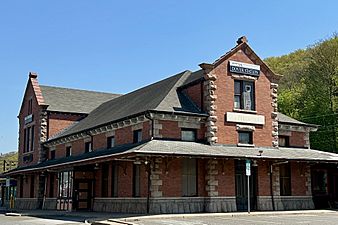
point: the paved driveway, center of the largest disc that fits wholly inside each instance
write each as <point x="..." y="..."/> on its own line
<point x="322" y="219"/>
<point x="26" y="220"/>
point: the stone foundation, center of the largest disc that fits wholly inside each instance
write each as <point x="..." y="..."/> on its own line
<point x="26" y="203"/>
<point x="166" y="205"/>
<point x="50" y="204"/>
<point x="264" y="203"/>
<point x="125" y="205"/>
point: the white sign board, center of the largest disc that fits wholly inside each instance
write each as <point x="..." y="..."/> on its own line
<point x="8" y="182"/>
<point x="244" y="68"/>
<point x="248" y="168"/>
<point x="245" y="118"/>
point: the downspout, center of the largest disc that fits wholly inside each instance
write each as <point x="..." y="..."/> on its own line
<point x="148" y="186"/>
<point x="149" y="116"/>
<point x="271" y="187"/>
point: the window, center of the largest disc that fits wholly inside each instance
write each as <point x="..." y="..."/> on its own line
<point x="137" y="136"/>
<point x="136" y="180"/>
<point x="31" y="191"/>
<point x="51" y="185"/>
<point x="244" y="95"/>
<point x="28" y="139"/>
<point x="68" y="151"/>
<point x="319" y="181"/>
<point x="65" y="190"/>
<point x="30" y="106"/>
<point x="88" y="146"/>
<point x="189" y="177"/>
<point x="110" y="142"/>
<point x="245" y="137"/>
<point x="285" y="179"/>
<point x="283" y="141"/>
<point x="114" y="185"/>
<point x="52" y="154"/>
<point x="104" y="183"/>
<point x="188" y="135"/>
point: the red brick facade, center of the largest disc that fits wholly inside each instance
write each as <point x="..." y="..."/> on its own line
<point x="215" y="177"/>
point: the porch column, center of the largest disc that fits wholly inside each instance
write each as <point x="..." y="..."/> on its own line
<point x="155" y="178"/>
<point x="211" y="178"/>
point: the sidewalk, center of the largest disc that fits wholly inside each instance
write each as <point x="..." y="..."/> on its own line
<point x="101" y="218"/>
<point x="130" y="219"/>
<point x="80" y="216"/>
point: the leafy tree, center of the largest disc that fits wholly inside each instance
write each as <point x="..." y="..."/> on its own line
<point x="308" y="91"/>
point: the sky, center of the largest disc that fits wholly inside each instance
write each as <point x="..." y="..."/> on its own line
<point x="119" y="46"/>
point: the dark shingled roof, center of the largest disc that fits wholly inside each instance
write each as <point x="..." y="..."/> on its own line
<point x="286" y="119"/>
<point x="194" y="76"/>
<point x="160" y="96"/>
<point x="73" y="100"/>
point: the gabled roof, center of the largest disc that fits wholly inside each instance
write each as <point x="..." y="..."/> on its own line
<point x="161" y="96"/>
<point x="288" y="120"/>
<point x="73" y="100"/>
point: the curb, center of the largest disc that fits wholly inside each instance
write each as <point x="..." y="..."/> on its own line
<point x="13" y="214"/>
<point x="273" y="213"/>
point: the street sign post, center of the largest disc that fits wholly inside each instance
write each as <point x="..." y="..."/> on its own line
<point x="248" y="173"/>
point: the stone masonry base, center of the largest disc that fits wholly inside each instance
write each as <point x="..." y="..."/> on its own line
<point x="264" y="203"/>
<point x="26" y="203"/>
<point x="177" y="204"/>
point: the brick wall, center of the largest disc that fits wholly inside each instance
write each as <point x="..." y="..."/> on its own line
<point x="59" y="121"/>
<point x="297" y="139"/>
<point x="226" y="177"/>
<point x="263" y="178"/>
<point x="227" y="133"/>
<point x="29" y="94"/>
<point x="298" y="179"/>
<point x="170" y="129"/>
<point x="195" y="94"/>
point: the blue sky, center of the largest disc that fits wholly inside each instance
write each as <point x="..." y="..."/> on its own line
<point x="118" y="46"/>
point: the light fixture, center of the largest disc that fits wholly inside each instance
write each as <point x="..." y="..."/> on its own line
<point x="254" y="163"/>
<point x="260" y="152"/>
<point x="96" y="167"/>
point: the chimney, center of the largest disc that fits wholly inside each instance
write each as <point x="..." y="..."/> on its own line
<point x="241" y="40"/>
<point x="33" y="75"/>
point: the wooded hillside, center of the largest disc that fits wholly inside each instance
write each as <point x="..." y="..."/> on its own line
<point x="11" y="157"/>
<point x="309" y="89"/>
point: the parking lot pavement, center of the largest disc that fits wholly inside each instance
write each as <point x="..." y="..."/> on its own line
<point x="311" y="219"/>
<point x="27" y="220"/>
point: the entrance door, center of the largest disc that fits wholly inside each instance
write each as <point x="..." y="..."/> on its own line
<point x="83" y="194"/>
<point x="242" y="186"/>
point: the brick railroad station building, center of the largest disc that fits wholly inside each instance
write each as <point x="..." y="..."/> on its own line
<point x="179" y="145"/>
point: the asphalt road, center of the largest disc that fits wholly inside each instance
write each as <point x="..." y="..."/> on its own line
<point x="312" y="219"/>
<point x="27" y="220"/>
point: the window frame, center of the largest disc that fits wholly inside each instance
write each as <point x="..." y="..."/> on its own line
<point x="137" y="136"/>
<point x="136" y="180"/>
<point x="52" y="154"/>
<point x="68" y="151"/>
<point x="110" y="142"/>
<point x="285" y="179"/>
<point x="105" y="180"/>
<point x="287" y="141"/>
<point x="194" y="132"/>
<point x="114" y="180"/>
<point x="250" y="137"/>
<point x="242" y="84"/>
<point x="189" y="177"/>
<point x="88" y="146"/>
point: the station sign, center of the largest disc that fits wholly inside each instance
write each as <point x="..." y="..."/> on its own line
<point x="244" y="68"/>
